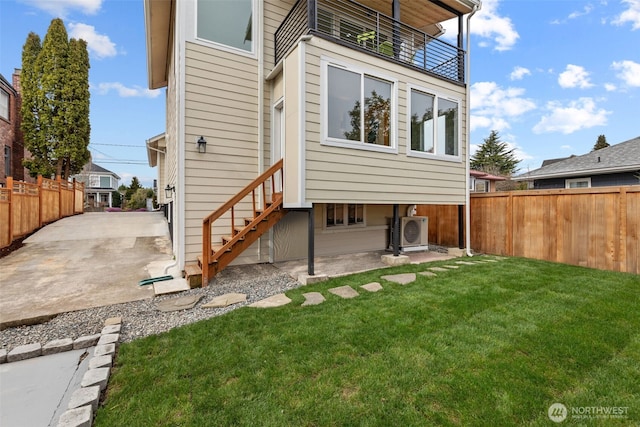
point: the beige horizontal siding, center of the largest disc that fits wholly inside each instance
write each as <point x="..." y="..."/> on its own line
<point x="339" y="174"/>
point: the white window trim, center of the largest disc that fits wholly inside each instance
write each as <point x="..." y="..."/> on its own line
<point x="346" y="225"/>
<point x="567" y="182"/>
<point x="437" y="156"/>
<point x="324" y="124"/>
<point x="192" y="32"/>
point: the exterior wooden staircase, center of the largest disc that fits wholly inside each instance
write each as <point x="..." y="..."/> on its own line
<point x="242" y="233"/>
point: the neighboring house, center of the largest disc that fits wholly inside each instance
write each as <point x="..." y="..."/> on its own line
<point x="615" y="165"/>
<point x="481" y="182"/>
<point x="99" y="185"/>
<point x="11" y="142"/>
<point x="263" y="82"/>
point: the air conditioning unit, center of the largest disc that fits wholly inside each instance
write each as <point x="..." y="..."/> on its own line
<point x="414" y="233"/>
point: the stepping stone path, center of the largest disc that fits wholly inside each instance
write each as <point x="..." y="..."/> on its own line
<point x="372" y="287"/>
<point x="272" y="301"/>
<point x="344" y="292"/>
<point x="402" y="279"/>
<point x="225" y="300"/>
<point x="312" y="298"/>
<point x="428" y="274"/>
<point x="465" y="263"/>
<point x="438" y="269"/>
<point x="176" y="304"/>
<point x="451" y="266"/>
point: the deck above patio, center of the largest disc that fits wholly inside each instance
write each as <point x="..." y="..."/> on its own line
<point x="352" y="24"/>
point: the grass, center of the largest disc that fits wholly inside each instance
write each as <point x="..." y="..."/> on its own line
<point x="489" y="344"/>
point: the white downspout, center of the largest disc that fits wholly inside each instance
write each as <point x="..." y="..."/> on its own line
<point x="260" y="53"/>
<point x="467" y="213"/>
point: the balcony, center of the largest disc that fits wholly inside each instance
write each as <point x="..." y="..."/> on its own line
<point x="351" y="24"/>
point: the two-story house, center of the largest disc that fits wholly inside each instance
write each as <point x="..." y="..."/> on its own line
<point x="12" y="151"/>
<point x="347" y="112"/>
<point x="99" y="185"/>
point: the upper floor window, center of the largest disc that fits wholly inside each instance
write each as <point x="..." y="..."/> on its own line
<point x="359" y="109"/>
<point x="228" y="22"/>
<point x="4" y="105"/>
<point x="434" y="123"/>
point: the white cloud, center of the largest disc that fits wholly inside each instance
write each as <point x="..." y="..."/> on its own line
<point x="126" y="92"/>
<point x="60" y="8"/>
<point x="494" y="123"/>
<point x="98" y="44"/>
<point x="632" y="15"/>
<point x="574" y="76"/>
<point x="577" y="115"/>
<point x="489" y="99"/>
<point x="585" y="11"/>
<point x="566" y="147"/>
<point x="629" y="72"/>
<point x="489" y="24"/>
<point x="496" y="30"/>
<point x="519" y="72"/>
<point x="610" y="87"/>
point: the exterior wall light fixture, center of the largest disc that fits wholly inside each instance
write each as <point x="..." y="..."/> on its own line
<point x="168" y="191"/>
<point x="202" y="145"/>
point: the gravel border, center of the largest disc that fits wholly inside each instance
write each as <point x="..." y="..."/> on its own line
<point x="142" y="318"/>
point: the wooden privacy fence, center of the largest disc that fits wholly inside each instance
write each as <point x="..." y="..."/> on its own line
<point x="592" y="227"/>
<point x="26" y="207"/>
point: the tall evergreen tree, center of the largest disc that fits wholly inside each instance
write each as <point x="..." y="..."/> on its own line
<point x="55" y="109"/>
<point x="495" y="157"/>
<point x="76" y="95"/>
<point x="32" y="100"/>
<point x="601" y="143"/>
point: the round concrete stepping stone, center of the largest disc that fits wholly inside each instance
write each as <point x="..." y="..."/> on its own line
<point x="181" y="303"/>
<point x="465" y="263"/>
<point x="403" y="279"/>
<point x="427" y="273"/>
<point x="225" y="300"/>
<point x="491" y="260"/>
<point x="438" y="269"/>
<point x="451" y="266"/>
<point x="344" y="292"/>
<point x="372" y="287"/>
<point x="273" y="301"/>
<point x="312" y="298"/>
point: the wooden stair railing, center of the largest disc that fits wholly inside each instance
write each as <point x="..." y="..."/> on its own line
<point x="214" y="259"/>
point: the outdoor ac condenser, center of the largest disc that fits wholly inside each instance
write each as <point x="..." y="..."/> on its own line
<point x="414" y="231"/>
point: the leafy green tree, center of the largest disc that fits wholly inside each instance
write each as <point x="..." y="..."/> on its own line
<point x="131" y="189"/>
<point x="138" y="199"/>
<point x="116" y="199"/>
<point x="55" y="102"/>
<point x="601" y="143"/>
<point x="495" y="157"/>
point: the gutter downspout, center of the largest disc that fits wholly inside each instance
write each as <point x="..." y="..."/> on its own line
<point x="260" y="52"/>
<point x="468" y="132"/>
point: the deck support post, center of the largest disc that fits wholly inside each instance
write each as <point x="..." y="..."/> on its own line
<point x="311" y="243"/>
<point x="396" y="230"/>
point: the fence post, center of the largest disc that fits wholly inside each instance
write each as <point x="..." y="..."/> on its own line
<point x="39" y="201"/>
<point x="73" y="199"/>
<point x="510" y="224"/>
<point x="59" y="181"/>
<point x="10" y="188"/>
<point x="622" y="241"/>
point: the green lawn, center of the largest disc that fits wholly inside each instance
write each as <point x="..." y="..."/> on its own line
<point x="487" y="345"/>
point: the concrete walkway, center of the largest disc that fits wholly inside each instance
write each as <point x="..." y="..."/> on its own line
<point x="80" y="262"/>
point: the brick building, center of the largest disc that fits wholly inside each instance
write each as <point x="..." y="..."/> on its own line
<point x="12" y="150"/>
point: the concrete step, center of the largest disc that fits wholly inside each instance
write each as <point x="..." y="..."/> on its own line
<point x="170" y="286"/>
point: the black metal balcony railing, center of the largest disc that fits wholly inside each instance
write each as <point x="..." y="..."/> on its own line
<point x="350" y="23"/>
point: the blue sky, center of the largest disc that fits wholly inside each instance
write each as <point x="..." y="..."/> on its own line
<point x="550" y="76"/>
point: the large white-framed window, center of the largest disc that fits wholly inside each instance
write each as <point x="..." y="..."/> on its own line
<point x="578" y="183"/>
<point x="339" y="215"/>
<point x="229" y="24"/>
<point x="4" y="105"/>
<point x="358" y="108"/>
<point x="434" y="124"/>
